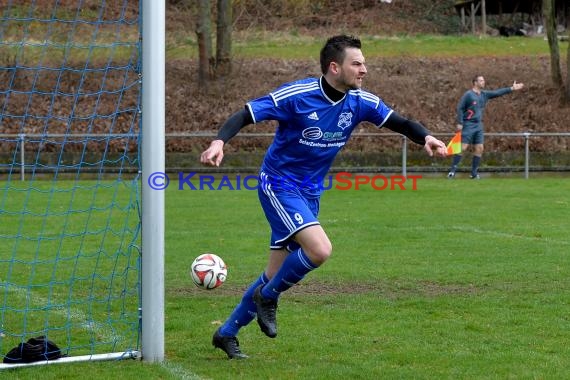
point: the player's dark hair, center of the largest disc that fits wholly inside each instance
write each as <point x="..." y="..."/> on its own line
<point x="334" y="50"/>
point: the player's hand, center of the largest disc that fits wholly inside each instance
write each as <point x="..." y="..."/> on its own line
<point x="214" y="154"/>
<point x="436" y="146"/>
<point x="517" y="86"/>
<point x="458" y="128"/>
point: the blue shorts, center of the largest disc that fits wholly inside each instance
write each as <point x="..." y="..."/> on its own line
<point x="287" y="212"/>
<point x="472" y="136"/>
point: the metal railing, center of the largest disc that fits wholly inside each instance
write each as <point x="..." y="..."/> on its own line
<point x="524" y="135"/>
<point x="22" y="138"/>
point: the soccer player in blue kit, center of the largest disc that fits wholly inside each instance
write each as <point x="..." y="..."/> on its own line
<point x="316" y="117"/>
<point x="470" y="121"/>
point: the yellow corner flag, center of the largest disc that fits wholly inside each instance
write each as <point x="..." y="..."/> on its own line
<point x="454" y="146"/>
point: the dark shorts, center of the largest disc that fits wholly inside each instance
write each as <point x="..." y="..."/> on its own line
<point x="472" y="136"/>
<point x="287" y="212"/>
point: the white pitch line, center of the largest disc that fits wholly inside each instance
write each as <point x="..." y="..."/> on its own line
<point x="510" y="235"/>
<point x="76" y="315"/>
<point x="486" y="232"/>
<point x="180" y="372"/>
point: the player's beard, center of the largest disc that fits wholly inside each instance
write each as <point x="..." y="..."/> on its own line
<point x="358" y="84"/>
<point x="353" y="84"/>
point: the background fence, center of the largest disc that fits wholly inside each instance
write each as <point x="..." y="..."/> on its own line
<point x="524" y="153"/>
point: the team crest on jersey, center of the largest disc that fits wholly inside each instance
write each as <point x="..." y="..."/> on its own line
<point x="345" y="120"/>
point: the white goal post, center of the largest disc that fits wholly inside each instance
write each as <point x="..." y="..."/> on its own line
<point x="153" y="159"/>
<point x="82" y="236"/>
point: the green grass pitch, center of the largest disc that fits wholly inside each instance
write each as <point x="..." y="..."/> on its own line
<point x="455" y="280"/>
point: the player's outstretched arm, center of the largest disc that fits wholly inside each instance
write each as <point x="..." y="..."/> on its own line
<point x="417" y="133"/>
<point x="409" y="128"/>
<point x="435" y="146"/>
<point x="517" y="86"/>
<point x="214" y="154"/>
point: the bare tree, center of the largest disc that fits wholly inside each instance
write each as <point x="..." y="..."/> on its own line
<point x="549" y="13"/>
<point x="224" y="38"/>
<point x="203" y="35"/>
<point x="211" y="67"/>
<point x="567" y="92"/>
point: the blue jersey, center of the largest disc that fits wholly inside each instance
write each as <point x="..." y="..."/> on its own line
<point x="312" y="129"/>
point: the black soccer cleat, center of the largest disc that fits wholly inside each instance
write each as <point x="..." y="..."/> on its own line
<point x="266" y="313"/>
<point x="228" y="344"/>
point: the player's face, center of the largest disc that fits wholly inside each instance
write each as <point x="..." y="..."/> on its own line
<point x="352" y="70"/>
<point x="480" y="82"/>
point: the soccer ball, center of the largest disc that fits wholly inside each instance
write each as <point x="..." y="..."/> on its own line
<point x="208" y="271"/>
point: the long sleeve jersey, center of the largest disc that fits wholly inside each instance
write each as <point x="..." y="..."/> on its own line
<point x="472" y="105"/>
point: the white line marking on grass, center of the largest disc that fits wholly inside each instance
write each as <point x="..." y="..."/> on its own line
<point x="106" y="334"/>
<point x="486" y="232"/>
<point x="510" y="235"/>
<point x="180" y="372"/>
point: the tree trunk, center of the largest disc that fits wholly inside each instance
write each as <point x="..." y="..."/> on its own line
<point x="483" y="18"/>
<point x="204" y="39"/>
<point x="548" y="11"/>
<point x="567" y="92"/>
<point x="224" y="38"/>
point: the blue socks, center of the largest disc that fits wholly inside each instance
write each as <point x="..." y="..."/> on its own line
<point x="294" y="268"/>
<point x="244" y="312"/>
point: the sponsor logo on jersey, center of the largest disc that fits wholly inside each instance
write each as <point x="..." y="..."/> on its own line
<point x="313" y="116"/>
<point x="315" y="133"/>
<point x="333" y="136"/>
<point x="312" y="133"/>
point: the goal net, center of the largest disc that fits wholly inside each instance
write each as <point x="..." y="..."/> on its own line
<point x="70" y="91"/>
